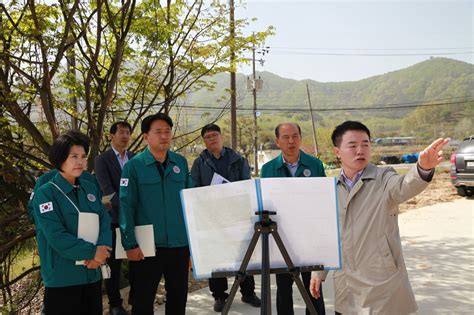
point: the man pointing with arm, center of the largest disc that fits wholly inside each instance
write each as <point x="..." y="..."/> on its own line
<point x="373" y="279"/>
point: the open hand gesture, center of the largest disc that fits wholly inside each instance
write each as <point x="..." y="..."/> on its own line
<point x="432" y="155"/>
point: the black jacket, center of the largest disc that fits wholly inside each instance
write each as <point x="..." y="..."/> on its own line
<point x="203" y="168"/>
<point x="108" y="173"/>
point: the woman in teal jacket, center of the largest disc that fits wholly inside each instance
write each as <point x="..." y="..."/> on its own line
<point x="70" y="265"/>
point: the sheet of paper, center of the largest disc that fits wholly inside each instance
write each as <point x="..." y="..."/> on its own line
<point x="307" y="219"/>
<point x="88" y="228"/>
<point x="145" y="239"/>
<point x="220" y="219"/>
<point x="218" y="179"/>
<point x="108" y="198"/>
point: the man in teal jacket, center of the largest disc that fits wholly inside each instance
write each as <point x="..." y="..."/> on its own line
<point x="292" y="162"/>
<point x="150" y="194"/>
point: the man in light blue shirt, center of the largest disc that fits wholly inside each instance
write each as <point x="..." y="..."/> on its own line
<point x="292" y="162"/>
<point x="108" y="170"/>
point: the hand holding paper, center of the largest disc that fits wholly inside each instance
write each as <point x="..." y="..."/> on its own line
<point x="146" y="241"/>
<point x="91" y="264"/>
<point x="88" y="229"/>
<point x="102" y="253"/>
<point x="135" y="254"/>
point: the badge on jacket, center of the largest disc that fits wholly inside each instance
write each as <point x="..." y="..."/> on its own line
<point x="91" y="197"/>
<point x="307" y="173"/>
<point x="46" y="207"/>
<point x="124" y="182"/>
<point x="176" y="169"/>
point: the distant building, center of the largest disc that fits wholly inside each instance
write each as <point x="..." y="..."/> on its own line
<point x="267" y="152"/>
<point x="395" y="141"/>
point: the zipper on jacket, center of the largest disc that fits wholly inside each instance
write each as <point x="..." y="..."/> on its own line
<point x="162" y="172"/>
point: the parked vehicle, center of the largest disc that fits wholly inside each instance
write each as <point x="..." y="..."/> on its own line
<point x="410" y="158"/>
<point x="462" y="167"/>
<point x="389" y="159"/>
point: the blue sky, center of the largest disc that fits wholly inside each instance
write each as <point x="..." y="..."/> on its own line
<point x="395" y="35"/>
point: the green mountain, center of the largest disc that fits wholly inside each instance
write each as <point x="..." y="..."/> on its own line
<point x="439" y="79"/>
<point x="387" y="103"/>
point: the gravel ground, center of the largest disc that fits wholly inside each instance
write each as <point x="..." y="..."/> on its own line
<point x="440" y="190"/>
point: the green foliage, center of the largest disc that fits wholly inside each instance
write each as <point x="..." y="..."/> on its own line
<point x="84" y="65"/>
<point x="454" y="121"/>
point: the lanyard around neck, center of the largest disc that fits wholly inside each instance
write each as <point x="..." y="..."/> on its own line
<point x="74" y="205"/>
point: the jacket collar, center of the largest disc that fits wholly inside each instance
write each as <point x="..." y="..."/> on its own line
<point x="62" y="183"/>
<point x="114" y="152"/>
<point x="150" y="159"/>
<point x="233" y="156"/>
<point x="370" y="172"/>
<point x="113" y="159"/>
<point x="304" y="160"/>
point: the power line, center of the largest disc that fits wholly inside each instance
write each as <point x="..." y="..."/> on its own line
<point x="303" y="108"/>
<point x="353" y="108"/>
<point x="283" y="52"/>
<point x="371" y="49"/>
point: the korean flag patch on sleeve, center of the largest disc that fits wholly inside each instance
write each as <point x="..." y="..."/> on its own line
<point x="124" y="182"/>
<point x="46" y="207"/>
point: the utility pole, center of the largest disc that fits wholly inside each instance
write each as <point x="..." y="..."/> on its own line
<point x="233" y="97"/>
<point x="315" y="141"/>
<point x="254" y="85"/>
<point x="255" y="136"/>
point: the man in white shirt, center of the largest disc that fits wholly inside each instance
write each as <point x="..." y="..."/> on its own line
<point x="108" y="170"/>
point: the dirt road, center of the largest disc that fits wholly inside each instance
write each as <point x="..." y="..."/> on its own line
<point x="438" y="244"/>
<point x="439" y="251"/>
<point x="440" y="190"/>
<point x="438" y="241"/>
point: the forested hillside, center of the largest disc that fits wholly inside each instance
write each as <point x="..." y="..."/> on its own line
<point x="428" y="99"/>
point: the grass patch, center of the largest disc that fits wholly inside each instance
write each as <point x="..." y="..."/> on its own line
<point x="23" y="262"/>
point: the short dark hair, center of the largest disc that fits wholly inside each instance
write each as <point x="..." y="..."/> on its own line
<point x="61" y="147"/>
<point x="147" y="121"/>
<point x="277" y="129"/>
<point x="210" y="127"/>
<point x="340" y="130"/>
<point x="114" y="127"/>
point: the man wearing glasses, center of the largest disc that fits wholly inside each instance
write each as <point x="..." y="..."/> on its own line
<point x="220" y="163"/>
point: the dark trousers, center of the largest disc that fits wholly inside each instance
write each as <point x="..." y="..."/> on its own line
<point x="112" y="285"/>
<point x="84" y="299"/>
<point x="173" y="264"/>
<point x="285" y="294"/>
<point x="218" y="286"/>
